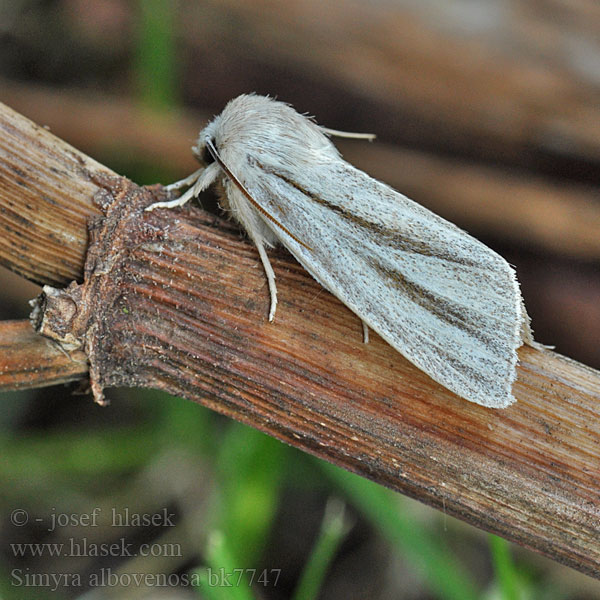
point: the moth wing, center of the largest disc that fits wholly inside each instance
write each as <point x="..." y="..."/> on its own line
<point x="444" y="300"/>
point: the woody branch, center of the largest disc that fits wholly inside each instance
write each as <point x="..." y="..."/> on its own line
<point x="176" y="300"/>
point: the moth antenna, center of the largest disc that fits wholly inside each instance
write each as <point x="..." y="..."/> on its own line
<point x="349" y="134"/>
<point x="246" y="193"/>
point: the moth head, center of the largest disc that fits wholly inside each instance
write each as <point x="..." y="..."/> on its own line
<point x="202" y="153"/>
<point x="201" y="149"/>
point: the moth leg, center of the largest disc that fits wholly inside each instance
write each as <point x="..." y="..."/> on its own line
<point x="177" y="185"/>
<point x="201" y="179"/>
<point x="365" y="332"/>
<point x="270" y="276"/>
<point x="177" y="202"/>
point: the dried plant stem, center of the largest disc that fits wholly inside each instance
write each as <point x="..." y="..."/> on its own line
<point x="176" y="300"/>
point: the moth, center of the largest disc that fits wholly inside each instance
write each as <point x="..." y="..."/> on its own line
<point x="445" y="301"/>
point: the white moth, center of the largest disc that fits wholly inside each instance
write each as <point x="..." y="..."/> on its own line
<point x="444" y="300"/>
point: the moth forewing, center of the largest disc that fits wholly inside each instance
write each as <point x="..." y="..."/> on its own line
<point x="441" y="298"/>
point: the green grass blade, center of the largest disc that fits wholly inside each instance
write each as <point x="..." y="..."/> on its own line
<point x="446" y="578"/>
<point x="333" y="531"/>
<point x="223" y="578"/>
<point x="504" y="568"/>
<point x="250" y="470"/>
<point x="156" y="57"/>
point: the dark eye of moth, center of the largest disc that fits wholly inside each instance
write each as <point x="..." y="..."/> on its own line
<point x="206" y="157"/>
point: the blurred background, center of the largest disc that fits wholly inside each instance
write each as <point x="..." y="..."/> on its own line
<point x="485" y="111"/>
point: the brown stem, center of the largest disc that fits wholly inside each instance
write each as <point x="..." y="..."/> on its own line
<point x="45" y="201"/>
<point x="176" y="300"/>
<point x="29" y="360"/>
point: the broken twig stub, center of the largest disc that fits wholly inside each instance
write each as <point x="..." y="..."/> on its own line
<point x="86" y="316"/>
